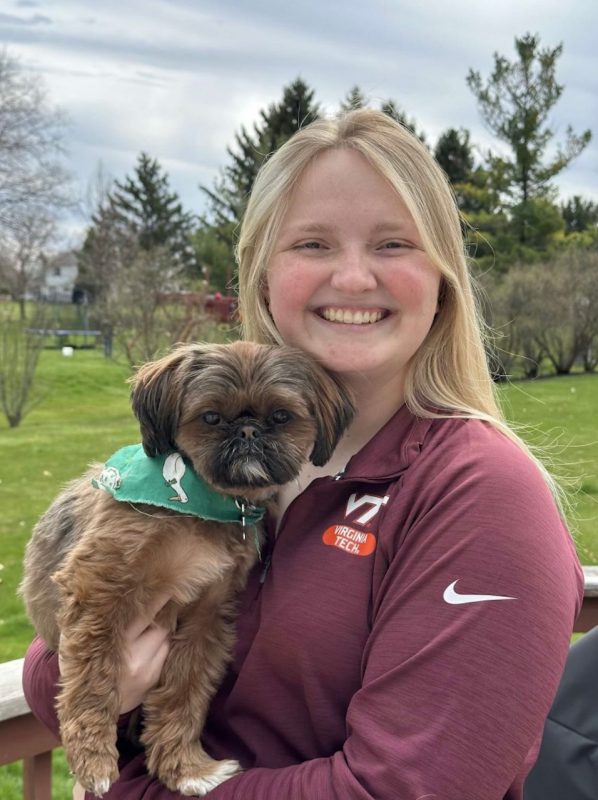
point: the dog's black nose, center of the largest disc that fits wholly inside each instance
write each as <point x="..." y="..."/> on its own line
<point x="248" y="432"/>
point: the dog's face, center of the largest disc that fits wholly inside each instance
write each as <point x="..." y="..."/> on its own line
<point x="248" y="416"/>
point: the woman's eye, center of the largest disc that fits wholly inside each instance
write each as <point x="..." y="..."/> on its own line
<point x="310" y="245"/>
<point x="280" y="417"/>
<point x="394" y="245"/>
<point x="211" y="418"/>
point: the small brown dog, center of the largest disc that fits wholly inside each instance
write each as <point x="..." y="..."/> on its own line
<point x="243" y="418"/>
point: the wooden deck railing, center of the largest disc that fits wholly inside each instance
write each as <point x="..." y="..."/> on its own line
<point x="23" y="737"/>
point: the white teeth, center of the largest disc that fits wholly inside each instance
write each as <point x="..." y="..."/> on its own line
<point x="351" y="317"/>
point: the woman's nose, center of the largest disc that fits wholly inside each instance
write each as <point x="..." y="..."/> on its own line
<point x="353" y="274"/>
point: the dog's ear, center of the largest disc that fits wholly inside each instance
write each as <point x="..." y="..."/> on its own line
<point x="334" y="411"/>
<point x="156" y="394"/>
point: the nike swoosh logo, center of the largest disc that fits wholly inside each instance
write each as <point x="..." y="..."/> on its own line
<point x="454" y="599"/>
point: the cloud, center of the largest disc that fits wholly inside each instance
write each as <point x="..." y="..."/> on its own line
<point x="180" y="81"/>
<point x="35" y="19"/>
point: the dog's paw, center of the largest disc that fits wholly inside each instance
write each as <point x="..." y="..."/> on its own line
<point x="200" y="786"/>
<point x="99" y="786"/>
<point x="95" y="773"/>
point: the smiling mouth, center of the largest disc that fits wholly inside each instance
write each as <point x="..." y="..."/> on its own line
<point x="348" y="316"/>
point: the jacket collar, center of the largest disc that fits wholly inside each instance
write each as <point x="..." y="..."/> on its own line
<point x="392" y="449"/>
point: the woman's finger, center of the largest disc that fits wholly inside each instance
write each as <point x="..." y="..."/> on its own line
<point x="78" y="792"/>
<point x="146" y="619"/>
<point x="147" y="648"/>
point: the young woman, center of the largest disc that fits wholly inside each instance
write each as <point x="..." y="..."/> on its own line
<point x="406" y="630"/>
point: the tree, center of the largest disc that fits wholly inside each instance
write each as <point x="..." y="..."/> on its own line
<point x="354" y="98"/>
<point x="19" y="355"/>
<point x="229" y="195"/>
<point x="390" y="108"/>
<point x="108" y="246"/>
<point x="550" y="310"/>
<point x="515" y="102"/>
<point x="214" y="257"/>
<point x="33" y="179"/>
<point x="139" y="213"/>
<point x="108" y="249"/>
<point x="454" y="153"/>
<point x="579" y="215"/>
<point x="512" y="313"/>
<point x="135" y="254"/>
<point x="541" y="222"/>
<point x="145" y="207"/>
<point x="133" y="311"/>
<point x="24" y="250"/>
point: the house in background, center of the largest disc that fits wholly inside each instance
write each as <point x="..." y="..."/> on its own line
<point x="59" y="278"/>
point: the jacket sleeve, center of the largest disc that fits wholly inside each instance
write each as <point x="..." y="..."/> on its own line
<point x="40" y="683"/>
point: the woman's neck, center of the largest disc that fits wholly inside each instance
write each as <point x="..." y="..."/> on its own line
<point x="375" y="405"/>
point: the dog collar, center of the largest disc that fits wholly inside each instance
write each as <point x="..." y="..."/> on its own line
<point x="169" y="481"/>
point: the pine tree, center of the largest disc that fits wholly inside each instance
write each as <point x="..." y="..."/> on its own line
<point x="391" y="109"/>
<point x="354" y="98"/>
<point x="579" y="215"/>
<point x="146" y="208"/>
<point x="515" y="102"/>
<point x="454" y="153"/>
<point x="228" y="197"/>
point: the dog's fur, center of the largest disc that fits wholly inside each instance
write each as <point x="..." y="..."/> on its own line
<point x="94" y="564"/>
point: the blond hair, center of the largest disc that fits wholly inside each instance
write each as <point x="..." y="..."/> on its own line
<point x="449" y="374"/>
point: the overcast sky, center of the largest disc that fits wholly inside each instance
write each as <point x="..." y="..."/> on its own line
<point x="177" y="78"/>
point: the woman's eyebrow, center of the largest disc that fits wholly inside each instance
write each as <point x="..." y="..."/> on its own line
<point x="394" y="226"/>
<point x="307" y="227"/>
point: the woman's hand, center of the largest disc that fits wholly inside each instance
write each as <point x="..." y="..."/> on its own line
<point x="146" y="645"/>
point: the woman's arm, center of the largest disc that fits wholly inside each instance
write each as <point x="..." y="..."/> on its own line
<point x="146" y="648"/>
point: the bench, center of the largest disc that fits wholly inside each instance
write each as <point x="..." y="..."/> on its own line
<point x="23" y="737"/>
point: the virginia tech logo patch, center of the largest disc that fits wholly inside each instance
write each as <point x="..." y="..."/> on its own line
<point x="370" y="504"/>
<point x="357" y="543"/>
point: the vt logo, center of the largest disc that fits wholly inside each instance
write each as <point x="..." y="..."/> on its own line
<point x="370" y="501"/>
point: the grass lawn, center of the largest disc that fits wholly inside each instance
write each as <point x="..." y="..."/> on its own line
<point x="85" y="416"/>
<point x="559" y="416"/>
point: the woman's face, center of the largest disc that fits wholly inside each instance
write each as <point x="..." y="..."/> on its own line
<point x="348" y="280"/>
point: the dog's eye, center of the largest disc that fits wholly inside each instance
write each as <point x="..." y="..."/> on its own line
<point x="211" y="418"/>
<point x="280" y="417"/>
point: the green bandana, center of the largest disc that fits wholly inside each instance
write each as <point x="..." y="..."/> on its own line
<point x="169" y="481"/>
